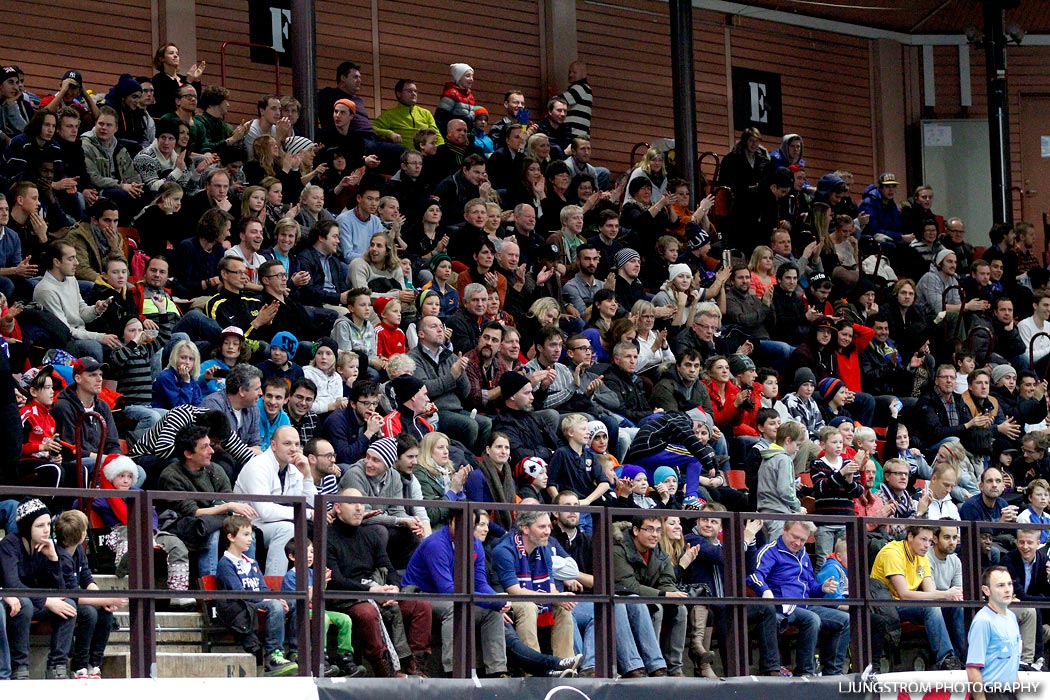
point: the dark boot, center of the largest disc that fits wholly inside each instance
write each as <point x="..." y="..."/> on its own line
<point x="414" y="665"/>
<point x="383" y="669"/>
<point x="349" y="667"/>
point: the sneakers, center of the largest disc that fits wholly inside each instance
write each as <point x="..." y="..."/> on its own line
<point x="950" y="663"/>
<point x="349" y="667"/>
<point x="56" y="672"/>
<point x="562" y="673"/>
<point x="20" y="673"/>
<point x="277" y="665"/>
<point x="82" y="674"/>
<point x="95" y="672"/>
<point x="570" y="663"/>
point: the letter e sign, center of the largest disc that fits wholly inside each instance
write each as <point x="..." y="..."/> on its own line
<point x="757" y="101"/>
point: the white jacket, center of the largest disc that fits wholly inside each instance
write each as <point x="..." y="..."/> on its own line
<point x="260" y="477"/>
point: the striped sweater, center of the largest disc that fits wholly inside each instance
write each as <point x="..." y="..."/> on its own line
<point x="134" y="371"/>
<point x="833" y="492"/>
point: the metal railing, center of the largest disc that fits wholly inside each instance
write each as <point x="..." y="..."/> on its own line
<point x="311" y="642"/>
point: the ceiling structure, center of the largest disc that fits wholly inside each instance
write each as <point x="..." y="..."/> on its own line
<point x="906" y="16"/>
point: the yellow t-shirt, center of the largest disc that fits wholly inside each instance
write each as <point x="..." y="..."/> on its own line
<point x="895" y="559"/>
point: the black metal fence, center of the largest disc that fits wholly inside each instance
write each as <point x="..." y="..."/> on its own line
<point x="311" y="643"/>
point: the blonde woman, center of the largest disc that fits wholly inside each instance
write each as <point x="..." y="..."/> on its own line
<point x="681" y="294"/>
<point x="321" y="371"/>
<point x="177" y="385"/>
<point x="438" y="477"/>
<point x="266" y="154"/>
<point x="651" y="166"/>
<point x="653" y="349"/>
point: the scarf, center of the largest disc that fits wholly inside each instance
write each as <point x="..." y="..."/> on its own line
<point x="532" y="572"/>
<point x="501" y="488"/>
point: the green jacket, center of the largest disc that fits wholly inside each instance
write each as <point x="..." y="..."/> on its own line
<point x="632" y="574"/>
<point x="100" y="169"/>
<point x="405" y="121"/>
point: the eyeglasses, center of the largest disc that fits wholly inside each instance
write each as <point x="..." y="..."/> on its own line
<point x="187" y="97"/>
<point x="650" y="530"/>
<point x="898" y="473"/>
<point x="369" y="404"/>
<point x="326" y="455"/>
<point x="581" y="347"/>
<point x="282" y="275"/>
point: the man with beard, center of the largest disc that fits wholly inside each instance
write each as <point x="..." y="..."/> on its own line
<point x="579" y="291"/>
<point x="531" y="434"/>
<point x="484" y="369"/>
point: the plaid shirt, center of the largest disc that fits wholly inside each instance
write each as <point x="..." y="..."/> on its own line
<point x="307" y="427"/>
<point x="480" y="383"/>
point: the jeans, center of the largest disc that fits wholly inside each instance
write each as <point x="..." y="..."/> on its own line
<point x="764" y="618"/>
<point x="955" y="621"/>
<point x="639" y="634"/>
<point x="489" y="624"/>
<point x="91" y="636"/>
<point x="276" y="535"/>
<point x="809" y="622"/>
<point x="863" y="408"/>
<point x="689" y="468"/>
<point x="80" y="347"/>
<point x="145" y="418"/>
<point x="273" y="632"/>
<point x="775" y="353"/>
<point x="528" y="659"/>
<point x="5" y="652"/>
<point x="825" y="537"/>
<point x="670" y="622"/>
<point x="936" y="631"/>
<point x="627" y="657"/>
<point x="18" y="634"/>
<point x="472" y="433"/>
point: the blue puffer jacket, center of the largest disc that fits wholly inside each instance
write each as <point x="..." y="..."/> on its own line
<point x="885" y="215"/>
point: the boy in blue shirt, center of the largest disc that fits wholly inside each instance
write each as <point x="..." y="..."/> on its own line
<point x="236" y="572"/>
<point x="344" y="665"/>
<point x="576" y="468"/>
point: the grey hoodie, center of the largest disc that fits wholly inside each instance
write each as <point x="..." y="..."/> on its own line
<point x="776" y="482"/>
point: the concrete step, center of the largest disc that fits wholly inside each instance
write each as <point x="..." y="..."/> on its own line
<point x="109" y="582"/>
<point x="186" y="665"/>
<point x="168" y="620"/>
<point x="172" y="628"/>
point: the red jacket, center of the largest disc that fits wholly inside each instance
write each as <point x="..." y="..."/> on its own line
<point x="37" y="426"/>
<point x="390" y="340"/>
<point x="849" y="365"/>
<point x="728" y="417"/>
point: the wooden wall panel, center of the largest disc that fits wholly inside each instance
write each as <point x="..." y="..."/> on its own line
<point x="627" y="50"/>
<point x="97" y="45"/>
<point x="826" y="87"/>
<point x="419" y="40"/>
<point x="227" y="20"/>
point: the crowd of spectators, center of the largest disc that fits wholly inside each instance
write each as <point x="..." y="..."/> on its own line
<point x="460" y="304"/>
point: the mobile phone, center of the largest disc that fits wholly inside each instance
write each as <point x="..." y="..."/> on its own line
<point x="220" y="373"/>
